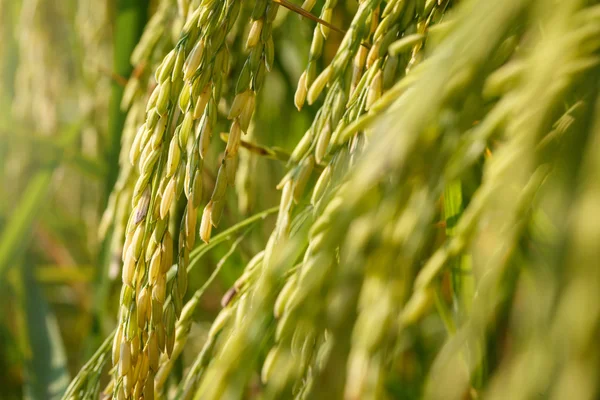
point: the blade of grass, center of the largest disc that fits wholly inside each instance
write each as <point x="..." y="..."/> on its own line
<point x="462" y="283"/>
<point x="47" y="375"/>
<point x="64" y="274"/>
<point x="300" y="11"/>
<point x="72" y="157"/>
<point x="130" y="19"/>
<point x="14" y="237"/>
<point x="460" y="268"/>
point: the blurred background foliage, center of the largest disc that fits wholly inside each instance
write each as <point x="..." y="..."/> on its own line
<point x="67" y="81"/>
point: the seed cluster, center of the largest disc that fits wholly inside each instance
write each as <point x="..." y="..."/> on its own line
<point x="297" y="305"/>
<point x="414" y="128"/>
<point x="169" y="150"/>
<point x="371" y="295"/>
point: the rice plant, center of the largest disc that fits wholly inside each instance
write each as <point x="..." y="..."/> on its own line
<point x="263" y="199"/>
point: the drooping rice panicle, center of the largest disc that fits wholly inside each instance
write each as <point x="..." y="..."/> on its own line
<point x="434" y="235"/>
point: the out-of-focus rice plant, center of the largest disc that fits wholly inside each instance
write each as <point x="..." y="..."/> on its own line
<point x="268" y="199"/>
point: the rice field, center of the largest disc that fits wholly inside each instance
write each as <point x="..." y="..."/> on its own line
<point x="270" y="199"/>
